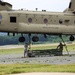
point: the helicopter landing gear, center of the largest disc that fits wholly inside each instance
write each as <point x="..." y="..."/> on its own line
<point x="35" y="39"/>
<point x="22" y="38"/>
<point x="71" y="38"/>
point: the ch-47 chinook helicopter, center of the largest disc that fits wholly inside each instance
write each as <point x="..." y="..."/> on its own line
<point x="37" y="22"/>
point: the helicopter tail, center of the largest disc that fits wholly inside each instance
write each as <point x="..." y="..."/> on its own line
<point x="71" y="7"/>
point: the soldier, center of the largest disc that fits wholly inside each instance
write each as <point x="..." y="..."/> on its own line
<point x="26" y="50"/>
<point x="60" y="46"/>
<point x="27" y="46"/>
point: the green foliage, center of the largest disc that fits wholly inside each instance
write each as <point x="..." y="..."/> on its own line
<point x="7" y="40"/>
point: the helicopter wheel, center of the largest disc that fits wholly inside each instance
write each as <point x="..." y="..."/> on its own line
<point x="35" y="39"/>
<point x="21" y="39"/>
<point x="71" y="38"/>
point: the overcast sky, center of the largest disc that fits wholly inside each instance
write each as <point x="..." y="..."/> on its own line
<point x="49" y="5"/>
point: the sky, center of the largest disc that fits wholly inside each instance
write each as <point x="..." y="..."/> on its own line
<point x="49" y="5"/>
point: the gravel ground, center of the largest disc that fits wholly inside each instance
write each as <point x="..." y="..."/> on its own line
<point x="18" y="58"/>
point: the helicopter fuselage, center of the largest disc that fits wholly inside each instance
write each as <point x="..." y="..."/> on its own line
<point x="43" y="22"/>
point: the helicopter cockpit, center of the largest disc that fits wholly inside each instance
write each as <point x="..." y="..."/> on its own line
<point x="5" y="6"/>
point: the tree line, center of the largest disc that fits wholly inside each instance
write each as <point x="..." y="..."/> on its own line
<point x="9" y="40"/>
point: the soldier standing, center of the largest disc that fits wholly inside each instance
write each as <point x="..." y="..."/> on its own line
<point x="26" y="50"/>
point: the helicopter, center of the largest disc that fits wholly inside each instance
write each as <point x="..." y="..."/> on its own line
<point x="37" y="22"/>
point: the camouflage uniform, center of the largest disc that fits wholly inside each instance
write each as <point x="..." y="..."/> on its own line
<point x="26" y="50"/>
<point x="60" y="46"/>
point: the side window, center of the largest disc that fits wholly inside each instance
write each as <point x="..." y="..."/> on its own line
<point x="30" y="20"/>
<point x="45" y="20"/>
<point x="13" y="19"/>
<point x="60" y="21"/>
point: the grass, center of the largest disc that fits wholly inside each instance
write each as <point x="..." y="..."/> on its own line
<point x="24" y="68"/>
<point x="20" y="50"/>
<point x="12" y="51"/>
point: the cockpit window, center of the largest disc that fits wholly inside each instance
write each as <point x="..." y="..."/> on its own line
<point x="30" y="20"/>
<point x="13" y="19"/>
